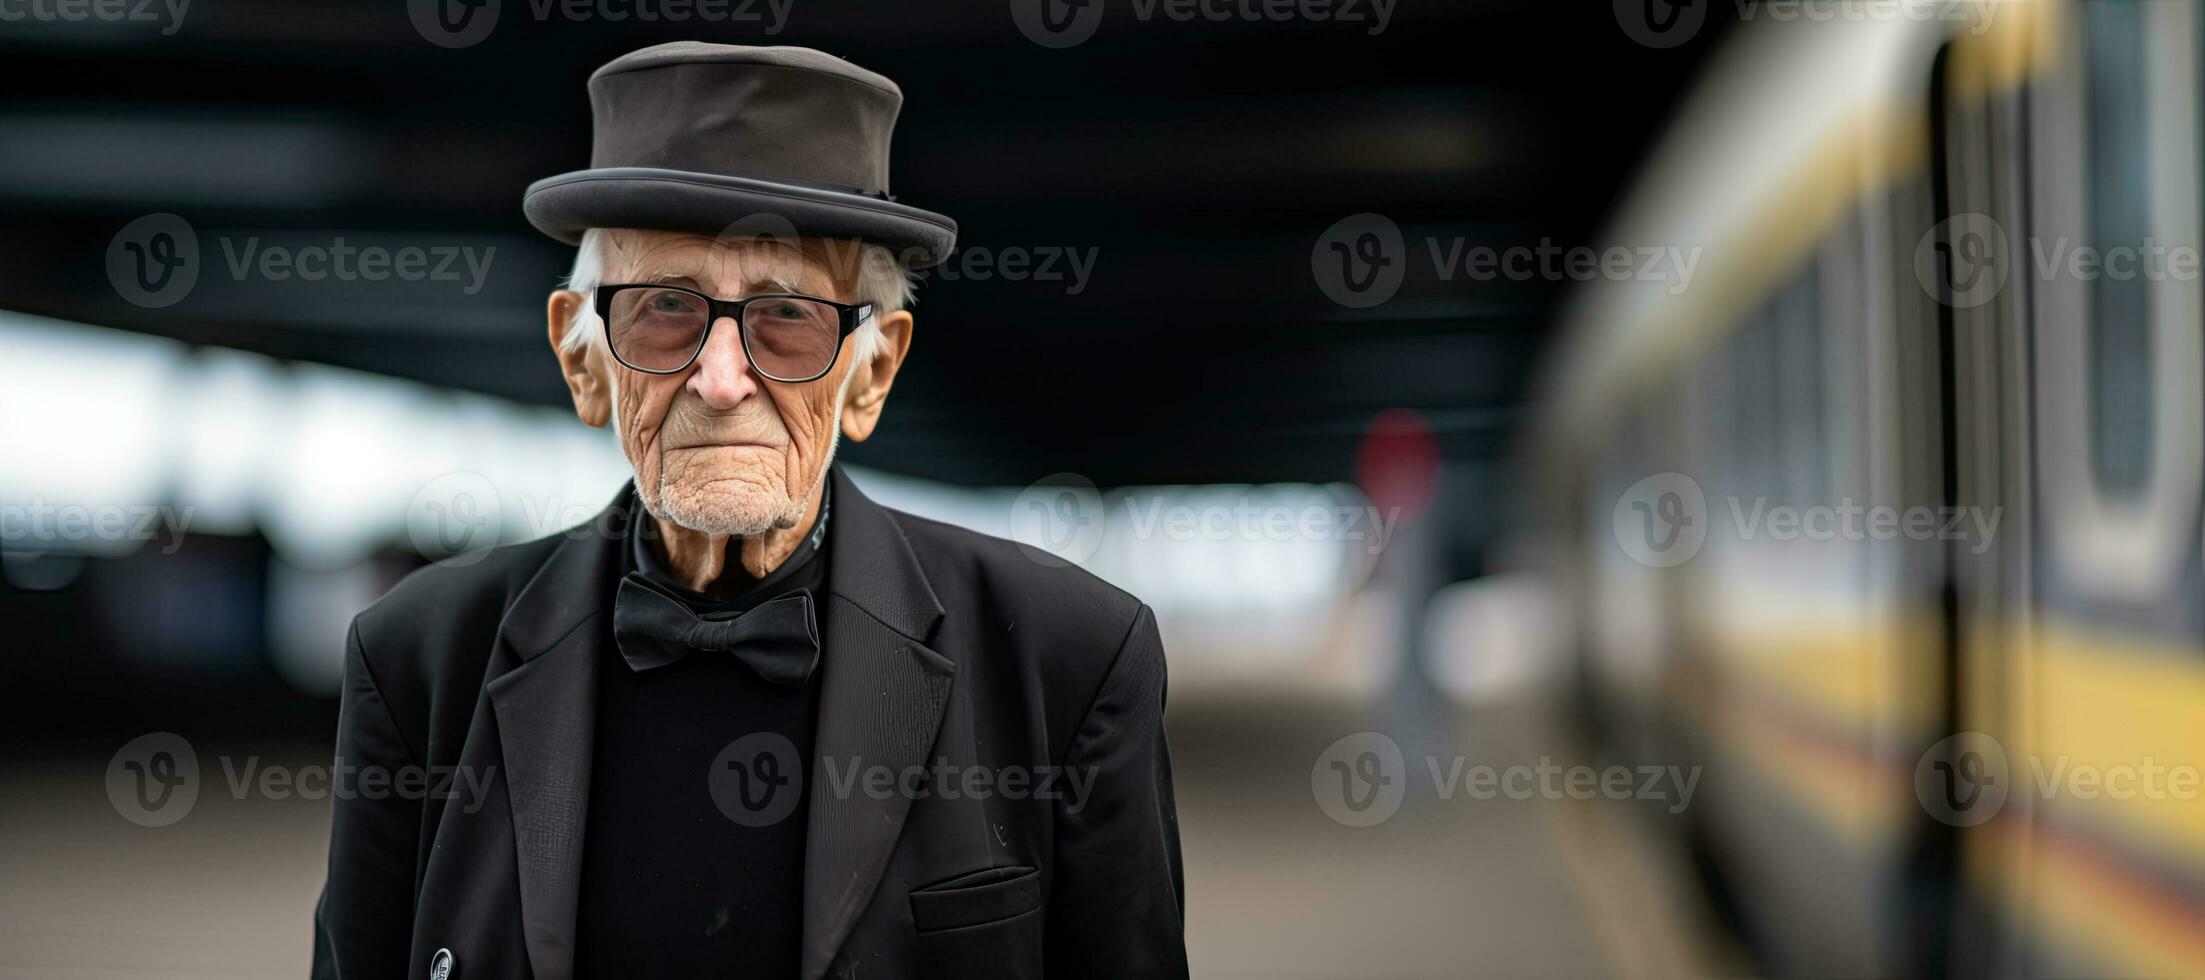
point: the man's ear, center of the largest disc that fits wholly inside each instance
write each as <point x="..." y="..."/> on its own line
<point x="868" y="391"/>
<point x="579" y="363"/>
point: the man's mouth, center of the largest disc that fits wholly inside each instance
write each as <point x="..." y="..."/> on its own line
<point x="726" y="444"/>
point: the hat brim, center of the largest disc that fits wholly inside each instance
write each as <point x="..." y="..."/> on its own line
<point x="676" y="200"/>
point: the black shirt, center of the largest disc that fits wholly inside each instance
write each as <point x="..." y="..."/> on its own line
<point x="673" y="884"/>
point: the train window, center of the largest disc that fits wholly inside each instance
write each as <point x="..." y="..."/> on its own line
<point x="1798" y="314"/>
<point x="2120" y="373"/>
<point x="2117" y="194"/>
<point x="1754" y="419"/>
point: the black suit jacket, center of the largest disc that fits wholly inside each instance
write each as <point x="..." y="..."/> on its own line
<point x="940" y="646"/>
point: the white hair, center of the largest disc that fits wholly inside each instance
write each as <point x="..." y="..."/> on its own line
<point x="882" y="281"/>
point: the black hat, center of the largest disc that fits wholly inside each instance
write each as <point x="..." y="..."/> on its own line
<point x="703" y="137"/>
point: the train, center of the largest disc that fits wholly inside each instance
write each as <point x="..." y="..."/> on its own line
<point x="1891" y="521"/>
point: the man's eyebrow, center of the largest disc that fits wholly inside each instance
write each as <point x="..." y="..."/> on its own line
<point x="757" y="284"/>
<point x="772" y="283"/>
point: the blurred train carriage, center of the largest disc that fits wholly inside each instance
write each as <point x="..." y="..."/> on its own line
<point x="1891" y="316"/>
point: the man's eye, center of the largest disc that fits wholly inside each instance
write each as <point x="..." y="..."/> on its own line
<point x="669" y="303"/>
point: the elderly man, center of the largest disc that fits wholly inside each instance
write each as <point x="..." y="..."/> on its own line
<point x="747" y="722"/>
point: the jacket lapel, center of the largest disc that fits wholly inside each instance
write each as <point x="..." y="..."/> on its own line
<point x="881" y="700"/>
<point x="552" y="640"/>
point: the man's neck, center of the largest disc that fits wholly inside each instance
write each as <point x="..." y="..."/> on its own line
<point x="699" y="561"/>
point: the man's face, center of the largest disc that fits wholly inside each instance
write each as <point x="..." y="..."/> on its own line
<point x="716" y="447"/>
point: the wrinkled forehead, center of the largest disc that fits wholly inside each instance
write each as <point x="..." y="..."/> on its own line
<point x="729" y="267"/>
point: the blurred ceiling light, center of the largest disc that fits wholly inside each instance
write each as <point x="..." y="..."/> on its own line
<point x="87" y="412"/>
<point x="325" y="461"/>
<point x="1268" y="554"/>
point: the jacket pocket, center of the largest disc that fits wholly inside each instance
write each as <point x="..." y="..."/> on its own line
<point x="976" y="899"/>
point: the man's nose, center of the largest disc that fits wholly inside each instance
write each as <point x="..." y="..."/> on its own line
<point x="723" y="377"/>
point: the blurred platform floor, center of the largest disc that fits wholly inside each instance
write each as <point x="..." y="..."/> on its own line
<point x="1277" y="890"/>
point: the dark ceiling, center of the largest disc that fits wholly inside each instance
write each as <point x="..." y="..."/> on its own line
<point x="1199" y="161"/>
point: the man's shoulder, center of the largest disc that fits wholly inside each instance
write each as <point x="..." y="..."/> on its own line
<point x="464" y="581"/>
<point x="1024" y="613"/>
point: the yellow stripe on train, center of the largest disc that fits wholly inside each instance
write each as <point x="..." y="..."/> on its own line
<point x="2101" y="845"/>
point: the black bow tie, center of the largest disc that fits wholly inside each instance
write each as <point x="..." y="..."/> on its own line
<point x="779" y="640"/>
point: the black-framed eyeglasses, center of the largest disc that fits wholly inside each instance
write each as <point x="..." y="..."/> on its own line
<point x="788" y="337"/>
